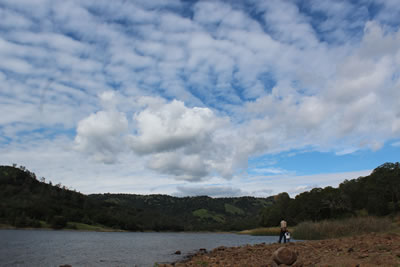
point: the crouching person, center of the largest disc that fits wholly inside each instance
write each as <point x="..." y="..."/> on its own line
<point x="283" y="226"/>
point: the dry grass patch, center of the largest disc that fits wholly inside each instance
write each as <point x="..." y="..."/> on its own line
<point x="340" y="228"/>
<point x="264" y="231"/>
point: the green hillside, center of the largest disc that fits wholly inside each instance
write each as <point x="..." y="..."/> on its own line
<point x="27" y="202"/>
<point x="377" y="194"/>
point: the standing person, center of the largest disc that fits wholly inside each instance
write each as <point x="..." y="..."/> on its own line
<point x="283" y="225"/>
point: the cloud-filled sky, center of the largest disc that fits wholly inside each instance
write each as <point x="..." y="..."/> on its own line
<point x="219" y="98"/>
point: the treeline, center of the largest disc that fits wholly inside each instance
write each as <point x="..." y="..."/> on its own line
<point x="377" y="194"/>
<point x="27" y="202"/>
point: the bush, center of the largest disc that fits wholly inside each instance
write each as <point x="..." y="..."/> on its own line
<point x="21" y="221"/>
<point x="339" y="228"/>
<point x="58" y="222"/>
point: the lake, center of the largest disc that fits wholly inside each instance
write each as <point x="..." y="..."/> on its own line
<point x="54" y="248"/>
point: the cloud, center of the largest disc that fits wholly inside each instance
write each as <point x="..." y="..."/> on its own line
<point x="269" y="171"/>
<point x="260" y="185"/>
<point x="302" y="188"/>
<point x="211" y="191"/>
<point x="396" y="144"/>
<point x="15" y="65"/>
<point x="100" y="134"/>
<point x="342" y="20"/>
<point x="388" y="13"/>
<point x="195" y="89"/>
<point x="12" y="19"/>
<point x="185" y="142"/>
<point x="338" y="115"/>
<point x="190" y="143"/>
<point x="287" y="24"/>
<point x="184" y="167"/>
<point x="172" y="126"/>
<point x="263" y="193"/>
<point x="180" y="141"/>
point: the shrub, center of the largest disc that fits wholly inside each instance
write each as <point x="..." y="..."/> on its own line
<point x="58" y="222"/>
<point x="339" y="228"/>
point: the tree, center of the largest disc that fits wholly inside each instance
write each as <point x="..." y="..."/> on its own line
<point x="58" y="222"/>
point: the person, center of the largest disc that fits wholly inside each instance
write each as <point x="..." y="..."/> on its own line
<point x="283" y="225"/>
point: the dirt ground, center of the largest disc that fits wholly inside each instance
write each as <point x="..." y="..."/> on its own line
<point x="365" y="250"/>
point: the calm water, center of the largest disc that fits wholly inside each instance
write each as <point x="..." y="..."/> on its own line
<point x="53" y="248"/>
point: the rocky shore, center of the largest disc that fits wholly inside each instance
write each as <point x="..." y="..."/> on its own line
<point x="365" y="250"/>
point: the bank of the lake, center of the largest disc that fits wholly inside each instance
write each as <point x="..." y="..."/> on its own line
<point x="373" y="249"/>
<point x="71" y="226"/>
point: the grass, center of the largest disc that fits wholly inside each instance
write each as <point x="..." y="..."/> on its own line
<point x="6" y="226"/>
<point x="341" y="228"/>
<point x="264" y="231"/>
<point x="87" y="227"/>
<point x="233" y="210"/>
<point x="334" y="228"/>
<point x="205" y="214"/>
<point x="44" y="224"/>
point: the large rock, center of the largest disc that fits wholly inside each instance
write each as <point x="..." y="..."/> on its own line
<point x="284" y="255"/>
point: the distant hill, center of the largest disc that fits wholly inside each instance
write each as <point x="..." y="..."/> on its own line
<point x="377" y="194"/>
<point x="27" y="202"/>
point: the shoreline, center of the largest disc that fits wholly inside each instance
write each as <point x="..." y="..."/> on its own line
<point x="100" y="229"/>
<point x="371" y="249"/>
<point x="45" y="228"/>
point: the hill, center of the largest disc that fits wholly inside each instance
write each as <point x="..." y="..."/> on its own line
<point x="377" y="194"/>
<point x="27" y="202"/>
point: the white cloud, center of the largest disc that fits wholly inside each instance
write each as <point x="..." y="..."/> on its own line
<point x="11" y="19"/>
<point x="188" y="143"/>
<point x="207" y="12"/>
<point x="288" y="24"/>
<point x="185" y="167"/>
<point x="211" y="191"/>
<point x="15" y="65"/>
<point x="172" y="126"/>
<point x="294" y="184"/>
<point x="339" y="116"/>
<point x="101" y="133"/>
<point x="269" y="171"/>
<point x="247" y="80"/>
<point x="185" y="142"/>
<point x="396" y="144"/>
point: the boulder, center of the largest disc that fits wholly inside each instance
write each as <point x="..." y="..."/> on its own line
<point x="178" y="252"/>
<point x="284" y="255"/>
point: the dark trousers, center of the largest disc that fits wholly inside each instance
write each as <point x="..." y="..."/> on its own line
<point x="282" y="235"/>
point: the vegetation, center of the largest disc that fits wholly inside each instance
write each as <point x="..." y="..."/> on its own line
<point x="27" y="202"/>
<point x="377" y="194"/>
<point x="88" y="227"/>
<point x="263" y="231"/>
<point x="339" y="228"/>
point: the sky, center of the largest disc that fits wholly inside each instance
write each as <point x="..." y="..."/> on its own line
<point x="217" y="98"/>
